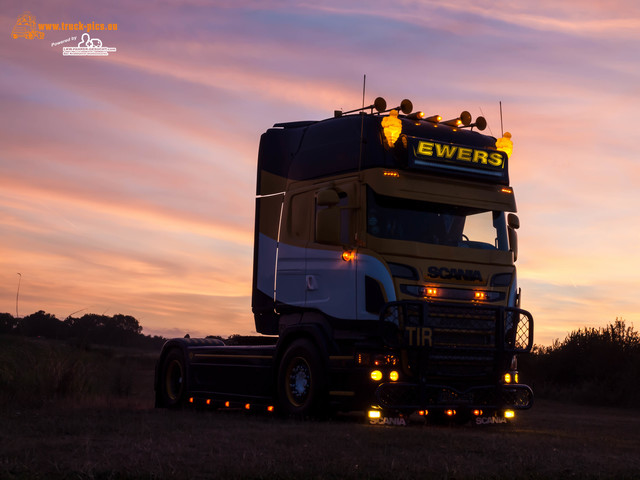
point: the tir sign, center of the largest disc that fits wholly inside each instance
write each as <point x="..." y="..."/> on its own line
<point x="419" y="336"/>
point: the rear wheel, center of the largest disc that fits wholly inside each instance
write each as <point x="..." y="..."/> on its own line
<point x="172" y="387"/>
<point x="302" y="381"/>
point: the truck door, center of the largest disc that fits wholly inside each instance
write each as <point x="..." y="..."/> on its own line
<point x="295" y="231"/>
<point x="330" y="280"/>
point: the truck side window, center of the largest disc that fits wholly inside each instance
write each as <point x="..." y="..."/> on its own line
<point x="343" y="218"/>
<point x="299" y="217"/>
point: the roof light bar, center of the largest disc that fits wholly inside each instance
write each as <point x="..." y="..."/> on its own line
<point x="380" y="104"/>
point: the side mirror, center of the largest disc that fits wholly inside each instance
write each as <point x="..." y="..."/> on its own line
<point x="513" y="223"/>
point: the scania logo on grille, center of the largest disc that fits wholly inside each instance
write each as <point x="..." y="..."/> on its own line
<point x="453" y="273"/>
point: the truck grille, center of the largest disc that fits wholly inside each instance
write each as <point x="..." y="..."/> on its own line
<point x="458" y="345"/>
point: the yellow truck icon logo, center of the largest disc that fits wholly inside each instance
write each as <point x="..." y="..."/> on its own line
<point x="26" y="27"/>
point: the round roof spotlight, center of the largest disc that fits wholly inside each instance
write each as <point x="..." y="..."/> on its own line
<point x="380" y="104"/>
<point x="481" y="123"/>
<point x="465" y="118"/>
<point x="406" y="106"/>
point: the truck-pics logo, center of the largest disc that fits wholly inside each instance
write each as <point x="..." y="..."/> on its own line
<point x="88" y="46"/>
<point x="25" y="27"/>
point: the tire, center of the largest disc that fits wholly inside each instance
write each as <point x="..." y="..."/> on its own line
<point x="172" y="388"/>
<point x="302" y="385"/>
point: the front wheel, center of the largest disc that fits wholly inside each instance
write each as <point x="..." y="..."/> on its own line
<point x="172" y="380"/>
<point x="302" y="387"/>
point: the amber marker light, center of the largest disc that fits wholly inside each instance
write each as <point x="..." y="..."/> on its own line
<point x="506" y="190"/>
<point x="509" y="414"/>
<point x="270" y="408"/>
<point x="429" y="292"/>
<point x="505" y="144"/>
<point x="227" y="404"/>
<point x="507" y="378"/>
<point x="392" y="128"/>
<point x="480" y="296"/>
<point x="208" y="401"/>
<point x="394" y="376"/>
<point x="450" y="413"/>
<point x="477" y="413"/>
<point x="247" y="406"/>
<point x="391" y="173"/>
<point x="374" y="414"/>
<point x="348" y="255"/>
<point x="376" y="375"/>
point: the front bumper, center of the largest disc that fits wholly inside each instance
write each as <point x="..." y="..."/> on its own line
<point x="410" y="397"/>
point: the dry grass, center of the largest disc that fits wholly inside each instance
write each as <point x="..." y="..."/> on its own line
<point x="120" y="435"/>
<point x="553" y="440"/>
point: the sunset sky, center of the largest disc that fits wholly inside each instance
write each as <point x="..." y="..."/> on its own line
<point x="127" y="181"/>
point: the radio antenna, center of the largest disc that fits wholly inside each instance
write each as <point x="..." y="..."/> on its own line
<point x="364" y="87"/>
<point x="487" y="123"/>
<point x="501" y="126"/>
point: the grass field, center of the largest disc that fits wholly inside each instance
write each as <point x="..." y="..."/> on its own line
<point x="117" y="434"/>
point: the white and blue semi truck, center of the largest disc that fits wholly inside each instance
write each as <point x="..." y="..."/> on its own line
<point x="384" y="277"/>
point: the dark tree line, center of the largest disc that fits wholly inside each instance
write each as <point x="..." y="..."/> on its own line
<point x="116" y="330"/>
<point x="592" y="365"/>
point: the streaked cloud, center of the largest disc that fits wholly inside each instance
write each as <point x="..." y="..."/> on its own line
<point x="127" y="182"/>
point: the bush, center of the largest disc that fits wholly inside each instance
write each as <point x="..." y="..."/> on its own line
<point x="592" y="365"/>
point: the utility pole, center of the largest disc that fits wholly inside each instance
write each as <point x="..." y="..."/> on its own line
<point x="18" y="294"/>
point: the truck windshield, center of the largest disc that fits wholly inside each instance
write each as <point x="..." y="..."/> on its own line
<point x="434" y="223"/>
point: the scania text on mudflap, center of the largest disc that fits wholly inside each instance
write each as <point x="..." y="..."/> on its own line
<point x="384" y="276"/>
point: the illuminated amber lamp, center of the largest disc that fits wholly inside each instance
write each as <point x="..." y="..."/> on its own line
<point x="505" y="144"/>
<point x="480" y="296"/>
<point x="392" y="127"/>
<point x="376" y="375"/>
<point x="374" y="413"/>
<point x="509" y="414"/>
<point x="434" y="119"/>
<point x="348" y="255"/>
<point x="429" y="292"/>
